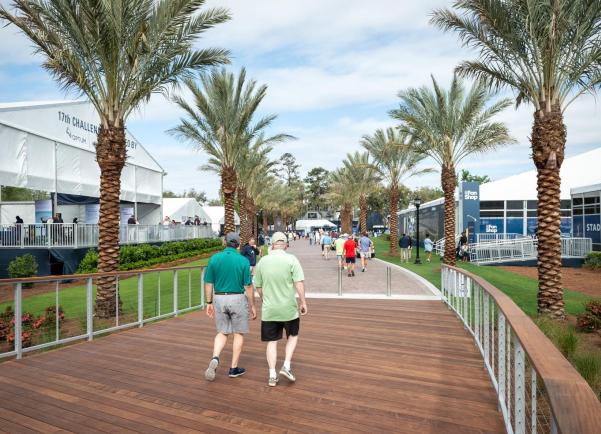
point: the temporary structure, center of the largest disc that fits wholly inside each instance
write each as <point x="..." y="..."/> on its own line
<point x="311" y="225"/>
<point x="180" y="208"/>
<point x="217" y="216"/>
<point x="50" y="146"/>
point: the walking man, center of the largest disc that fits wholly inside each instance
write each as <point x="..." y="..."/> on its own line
<point x="227" y="278"/>
<point x="279" y="278"/>
<point x="404" y="244"/>
<point x="350" y="254"/>
<point x="250" y="252"/>
<point x="365" y="245"/>
<point x="339" y="244"/>
<point x="326" y="245"/>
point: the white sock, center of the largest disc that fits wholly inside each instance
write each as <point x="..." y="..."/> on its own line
<point x="286" y="364"/>
<point x="272" y="373"/>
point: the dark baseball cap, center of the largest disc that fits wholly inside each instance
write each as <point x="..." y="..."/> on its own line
<point x="232" y="237"/>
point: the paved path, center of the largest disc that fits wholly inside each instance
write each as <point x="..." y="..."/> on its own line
<point x="363" y="366"/>
<point x="322" y="276"/>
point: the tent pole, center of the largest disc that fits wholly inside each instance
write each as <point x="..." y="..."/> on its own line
<point x="54" y="162"/>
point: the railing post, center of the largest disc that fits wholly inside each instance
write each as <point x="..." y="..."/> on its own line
<point x="339" y="282"/>
<point x="140" y="300"/>
<point x="89" y="309"/>
<point x="21" y="228"/>
<point x="501" y="358"/>
<point x="18" y="318"/>
<point x="388" y="281"/>
<point x="75" y="236"/>
<point x="519" y="389"/>
<point x="202" y="286"/>
<point x="175" y="292"/>
<point x="486" y="327"/>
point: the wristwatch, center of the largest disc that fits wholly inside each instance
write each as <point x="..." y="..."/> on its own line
<point x="210" y="302"/>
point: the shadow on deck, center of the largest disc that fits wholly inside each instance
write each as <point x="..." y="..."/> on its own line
<point x="361" y="366"/>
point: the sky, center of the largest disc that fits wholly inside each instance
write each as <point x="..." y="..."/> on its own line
<point x="333" y="70"/>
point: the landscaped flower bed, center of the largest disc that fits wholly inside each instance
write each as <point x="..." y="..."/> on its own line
<point x="31" y="326"/>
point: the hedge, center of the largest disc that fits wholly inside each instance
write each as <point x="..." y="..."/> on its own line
<point x="145" y="255"/>
<point x="593" y="260"/>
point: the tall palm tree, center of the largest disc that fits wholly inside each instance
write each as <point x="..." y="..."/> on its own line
<point x="366" y="175"/>
<point x="547" y="52"/>
<point x="396" y="162"/>
<point x="117" y="54"/>
<point x="344" y="192"/>
<point x="448" y="126"/>
<point x="221" y="122"/>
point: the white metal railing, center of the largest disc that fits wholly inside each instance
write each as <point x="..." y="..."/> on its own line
<point x="168" y="292"/>
<point x="75" y="235"/>
<point x="501" y="236"/>
<point x="531" y="378"/>
<point x="576" y="247"/>
<point x="525" y="248"/>
<point x="439" y="245"/>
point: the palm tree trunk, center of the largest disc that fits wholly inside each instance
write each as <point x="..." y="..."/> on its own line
<point x="284" y="222"/>
<point x="250" y="221"/>
<point x="243" y="216"/>
<point x="346" y="219"/>
<point x="448" y="181"/>
<point x="275" y="220"/>
<point x="111" y="154"/>
<point x="228" y="188"/>
<point x="363" y="214"/>
<point x="548" y="147"/>
<point x="264" y="212"/>
<point x="394" y="225"/>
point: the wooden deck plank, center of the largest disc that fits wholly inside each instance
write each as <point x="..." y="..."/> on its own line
<point x="362" y="366"/>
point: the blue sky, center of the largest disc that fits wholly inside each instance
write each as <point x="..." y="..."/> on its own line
<point x="333" y="69"/>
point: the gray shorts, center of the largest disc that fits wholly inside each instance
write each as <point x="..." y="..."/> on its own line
<point x="231" y="313"/>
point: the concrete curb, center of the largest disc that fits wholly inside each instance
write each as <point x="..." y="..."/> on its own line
<point x="417" y="277"/>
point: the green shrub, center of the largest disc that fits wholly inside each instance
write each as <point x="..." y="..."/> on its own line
<point x="89" y="263"/>
<point x="132" y="257"/>
<point x="23" y="266"/>
<point x="588" y="365"/>
<point x="593" y="261"/>
<point x="567" y="342"/>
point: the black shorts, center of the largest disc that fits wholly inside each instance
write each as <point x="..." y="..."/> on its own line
<point x="350" y="260"/>
<point x="272" y="330"/>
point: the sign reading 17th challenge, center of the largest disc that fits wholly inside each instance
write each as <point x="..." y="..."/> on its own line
<point x="76" y="126"/>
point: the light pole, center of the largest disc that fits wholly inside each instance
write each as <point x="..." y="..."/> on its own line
<point x="417" y="202"/>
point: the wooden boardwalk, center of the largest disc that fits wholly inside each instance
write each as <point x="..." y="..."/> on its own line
<point x="361" y="366"/>
<point x="371" y="366"/>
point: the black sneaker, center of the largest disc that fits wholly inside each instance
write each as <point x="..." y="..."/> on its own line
<point x="236" y="372"/>
<point x="353" y="273"/>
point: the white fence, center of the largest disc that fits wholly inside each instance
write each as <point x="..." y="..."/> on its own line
<point x="488" y="238"/>
<point x="75" y="235"/>
<point x="538" y="390"/>
<point x="145" y="296"/>
<point x="525" y="248"/>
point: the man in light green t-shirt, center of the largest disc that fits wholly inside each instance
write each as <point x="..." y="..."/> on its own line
<point x="339" y="244"/>
<point x="278" y="278"/>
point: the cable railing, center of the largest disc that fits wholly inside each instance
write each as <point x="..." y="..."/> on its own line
<point x="76" y="235"/>
<point x="538" y="390"/>
<point x="45" y="312"/>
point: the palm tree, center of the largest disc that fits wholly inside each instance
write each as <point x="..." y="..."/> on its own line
<point x="395" y="162"/>
<point x="548" y="53"/>
<point x="448" y="126"/>
<point x="366" y="176"/>
<point x="117" y="54"/>
<point x="344" y="192"/>
<point x="221" y="122"/>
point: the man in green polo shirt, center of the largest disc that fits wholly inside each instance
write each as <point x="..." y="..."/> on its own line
<point x="278" y="278"/>
<point x="227" y="278"/>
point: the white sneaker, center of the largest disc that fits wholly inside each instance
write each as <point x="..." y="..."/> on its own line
<point x="273" y="381"/>
<point x="211" y="370"/>
<point x="287" y="373"/>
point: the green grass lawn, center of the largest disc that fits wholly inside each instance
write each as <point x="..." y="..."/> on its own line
<point x="72" y="299"/>
<point x="521" y="289"/>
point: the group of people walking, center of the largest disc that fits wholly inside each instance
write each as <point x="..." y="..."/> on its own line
<point x="347" y="248"/>
<point x="230" y="282"/>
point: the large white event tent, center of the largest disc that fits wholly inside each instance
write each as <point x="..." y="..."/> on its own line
<point x="217" y="217"/>
<point x="180" y="208"/>
<point x="50" y="146"/>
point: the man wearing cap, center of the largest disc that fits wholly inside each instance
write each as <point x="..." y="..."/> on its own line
<point x="227" y="278"/>
<point x="279" y="278"/>
<point x="339" y="244"/>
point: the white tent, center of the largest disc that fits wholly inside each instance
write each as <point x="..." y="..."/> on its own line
<point x="180" y="208"/>
<point x="50" y="146"/>
<point x="217" y="216"/>
<point x="308" y="225"/>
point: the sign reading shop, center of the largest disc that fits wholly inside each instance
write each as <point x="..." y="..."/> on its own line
<point x="76" y="129"/>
